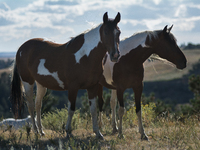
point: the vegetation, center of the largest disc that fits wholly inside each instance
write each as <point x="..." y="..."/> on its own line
<point x="190" y="46"/>
<point x="164" y="131"/>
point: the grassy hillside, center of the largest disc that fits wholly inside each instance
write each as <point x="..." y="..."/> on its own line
<point x="158" y="71"/>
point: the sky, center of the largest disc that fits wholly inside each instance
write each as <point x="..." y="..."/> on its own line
<point x="59" y="20"/>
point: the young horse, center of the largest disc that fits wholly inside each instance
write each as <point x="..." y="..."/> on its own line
<point x="74" y="65"/>
<point x="128" y="72"/>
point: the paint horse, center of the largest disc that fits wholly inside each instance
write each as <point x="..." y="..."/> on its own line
<point x="74" y="65"/>
<point x="128" y="72"/>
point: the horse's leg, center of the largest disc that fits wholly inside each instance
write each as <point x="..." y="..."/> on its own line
<point x="101" y="102"/>
<point x="113" y="102"/>
<point x="92" y="92"/>
<point x="28" y="89"/>
<point x="71" y="109"/>
<point x="138" y="93"/>
<point x="38" y="104"/>
<point x="121" y="110"/>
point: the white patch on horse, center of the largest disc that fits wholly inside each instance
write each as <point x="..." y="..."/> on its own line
<point x="91" y="40"/>
<point x="115" y="34"/>
<point x="47" y="39"/>
<point x="44" y="71"/>
<point x="108" y="70"/>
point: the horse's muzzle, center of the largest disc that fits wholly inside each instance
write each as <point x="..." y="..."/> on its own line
<point x="114" y="57"/>
<point x="181" y="65"/>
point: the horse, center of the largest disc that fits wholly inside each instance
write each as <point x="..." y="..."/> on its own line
<point x="71" y="66"/>
<point x="128" y="72"/>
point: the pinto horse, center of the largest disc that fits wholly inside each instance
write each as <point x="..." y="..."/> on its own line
<point x="128" y="72"/>
<point x="74" y="65"/>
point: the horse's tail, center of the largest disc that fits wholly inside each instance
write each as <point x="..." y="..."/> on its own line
<point x="16" y="96"/>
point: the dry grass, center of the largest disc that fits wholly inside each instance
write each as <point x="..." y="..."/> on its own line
<point x="164" y="132"/>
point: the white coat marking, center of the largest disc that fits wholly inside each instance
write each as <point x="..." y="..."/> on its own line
<point x="115" y="33"/>
<point x="108" y="70"/>
<point x="91" y="40"/>
<point x="44" y="71"/>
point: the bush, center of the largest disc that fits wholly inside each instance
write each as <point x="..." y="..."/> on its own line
<point x="194" y="106"/>
<point x="148" y="115"/>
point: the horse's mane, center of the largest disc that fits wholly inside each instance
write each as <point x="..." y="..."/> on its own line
<point x="86" y="31"/>
<point x="154" y="57"/>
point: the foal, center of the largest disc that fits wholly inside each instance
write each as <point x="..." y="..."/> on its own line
<point x="74" y="65"/>
<point x="128" y="72"/>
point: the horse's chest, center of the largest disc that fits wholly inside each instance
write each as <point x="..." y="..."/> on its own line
<point x="108" y="72"/>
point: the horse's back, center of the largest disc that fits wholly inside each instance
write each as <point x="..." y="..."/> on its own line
<point x="29" y="54"/>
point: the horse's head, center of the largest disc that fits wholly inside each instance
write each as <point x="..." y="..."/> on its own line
<point x="167" y="48"/>
<point x="110" y="36"/>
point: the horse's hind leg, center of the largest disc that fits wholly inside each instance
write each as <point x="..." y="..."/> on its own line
<point x="38" y="104"/>
<point x="28" y="89"/>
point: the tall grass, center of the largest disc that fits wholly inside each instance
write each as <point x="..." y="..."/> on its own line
<point x="165" y="132"/>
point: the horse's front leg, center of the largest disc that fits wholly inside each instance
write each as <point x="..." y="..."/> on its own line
<point x="101" y="102"/>
<point x="71" y="109"/>
<point x="121" y="110"/>
<point x="138" y="93"/>
<point x="113" y="102"/>
<point x="92" y="93"/>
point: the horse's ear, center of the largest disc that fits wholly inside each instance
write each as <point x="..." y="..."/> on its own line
<point x="165" y="29"/>
<point x="170" y="28"/>
<point x="117" y="18"/>
<point x="105" y="17"/>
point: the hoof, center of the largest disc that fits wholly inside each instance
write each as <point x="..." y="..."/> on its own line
<point x="144" y="137"/>
<point x="121" y="136"/>
<point x="69" y="135"/>
<point x="99" y="136"/>
<point x="115" y="130"/>
<point x="42" y="133"/>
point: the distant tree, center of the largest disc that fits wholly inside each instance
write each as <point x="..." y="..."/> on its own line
<point x="194" y="107"/>
<point x="191" y="46"/>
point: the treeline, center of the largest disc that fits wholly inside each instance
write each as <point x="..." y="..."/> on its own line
<point x="190" y="46"/>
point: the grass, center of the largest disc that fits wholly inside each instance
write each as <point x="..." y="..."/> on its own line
<point x="165" y="132"/>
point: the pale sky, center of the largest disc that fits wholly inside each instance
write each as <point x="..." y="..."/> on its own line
<point x="58" y="20"/>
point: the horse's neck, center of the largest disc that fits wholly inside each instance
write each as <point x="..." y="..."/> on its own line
<point x="139" y="55"/>
<point x="132" y="42"/>
<point x="91" y="40"/>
